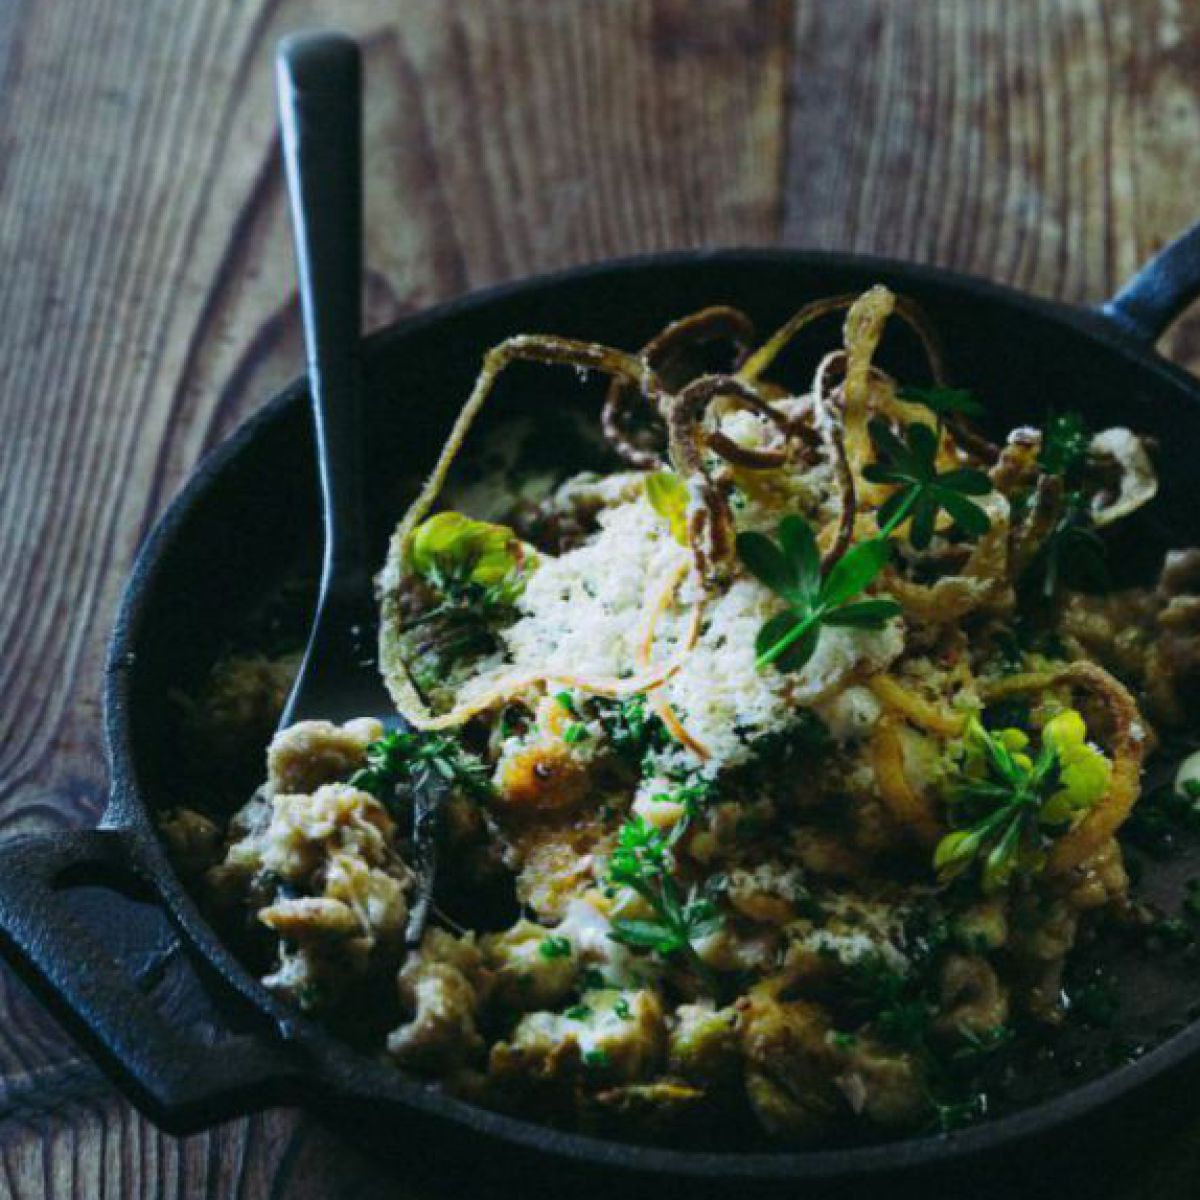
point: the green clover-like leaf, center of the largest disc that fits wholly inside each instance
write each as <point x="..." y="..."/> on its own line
<point x="922" y="492"/>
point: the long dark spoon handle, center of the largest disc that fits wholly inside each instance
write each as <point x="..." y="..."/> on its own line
<point x="319" y="79"/>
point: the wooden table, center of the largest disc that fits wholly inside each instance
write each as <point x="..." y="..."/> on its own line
<point x="148" y="304"/>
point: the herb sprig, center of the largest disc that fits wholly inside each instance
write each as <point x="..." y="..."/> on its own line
<point x="922" y="492"/>
<point x="414" y="760"/>
<point x="1064" y="449"/>
<point x="1074" y="555"/>
<point x="791" y="568"/>
<point x="1009" y="804"/>
<point x="641" y="862"/>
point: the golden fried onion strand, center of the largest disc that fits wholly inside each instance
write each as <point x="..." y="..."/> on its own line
<point x="720" y="322"/>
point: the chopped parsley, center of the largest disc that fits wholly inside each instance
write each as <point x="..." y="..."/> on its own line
<point x="575" y="733"/>
<point x="555" y="947"/>
<point x="413" y="760"/>
<point x="631" y="728"/>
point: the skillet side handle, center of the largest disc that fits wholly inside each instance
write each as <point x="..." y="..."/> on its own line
<point x="182" y="1081"/>
<point x="1160" y="291"/>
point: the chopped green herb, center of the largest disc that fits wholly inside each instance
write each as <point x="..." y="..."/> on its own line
<point x="566" y="701"/>
<point x="412" y="759"/>
<point x="631" y="728"/>
<point x="1065" y="442"/>
<point x="904" y="1023"/>
<point x="555" y="947"/>
<point x="578" y="1012"/>
<point x="597" y="1059"/>
<point x="979" y="1046"/>
<point x="621" y="1008"/>
<point x="575" y="733"/>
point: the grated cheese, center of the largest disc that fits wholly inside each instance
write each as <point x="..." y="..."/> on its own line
<point x="583" y="614"/>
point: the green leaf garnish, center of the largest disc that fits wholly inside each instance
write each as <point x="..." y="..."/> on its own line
<point x="921" y="491"/>
<point x="413" y="760"/>
<point x="1065" y="442"/>
<point x="555" y="947"/>
<point x="575" y="733"/>
<point x="791" y="568"/>
<point x="943" y="400"/>
<point x="641" y="862"/>
<point x="631" y="728"/>
<point x="1010" y="805"/>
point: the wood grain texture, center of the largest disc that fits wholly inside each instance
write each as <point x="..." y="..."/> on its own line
<point x="148" y="304"/>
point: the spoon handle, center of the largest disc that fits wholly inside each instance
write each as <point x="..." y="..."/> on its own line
<point x="319" y="81"/>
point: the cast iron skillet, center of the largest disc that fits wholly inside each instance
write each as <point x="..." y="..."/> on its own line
<point x="251" y="506"/>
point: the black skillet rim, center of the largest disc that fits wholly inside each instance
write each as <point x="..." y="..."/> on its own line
<point x="357" y="1075"/>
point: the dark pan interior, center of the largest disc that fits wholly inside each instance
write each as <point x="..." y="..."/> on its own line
<point x="252" y="515"/>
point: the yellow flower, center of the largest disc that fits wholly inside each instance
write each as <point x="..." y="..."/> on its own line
<point x="1014" y="739"/>
<point x="975" y="738"/>
<point x="1085" y="772"/>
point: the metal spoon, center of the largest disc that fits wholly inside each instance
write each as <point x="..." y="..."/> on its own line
<point x="319" y="83"/>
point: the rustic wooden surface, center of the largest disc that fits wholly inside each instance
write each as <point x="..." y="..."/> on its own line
<point x="147" y="305"/>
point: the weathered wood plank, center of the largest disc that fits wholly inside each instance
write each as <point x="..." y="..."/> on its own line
<point x="1043" y="144"/>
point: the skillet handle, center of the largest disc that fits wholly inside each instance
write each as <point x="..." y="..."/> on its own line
<point x="183" y="1078"/>
<point x="1148" y="302"/>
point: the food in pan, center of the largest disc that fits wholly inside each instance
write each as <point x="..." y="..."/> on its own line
<point x="776" y="768"/>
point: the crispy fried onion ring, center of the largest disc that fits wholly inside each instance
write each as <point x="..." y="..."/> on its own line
<point x="408" y="700"/>
<point x="1137" y="484"/>
<point x="710" y="518"/>
<point x="925" y="714"/>
<point x="1128" y="744"/>
<point x="983" y="583"/>
<point x="912" y="810"/>
<point x="1041" y="518"/>
<point x="720" y="323"/>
